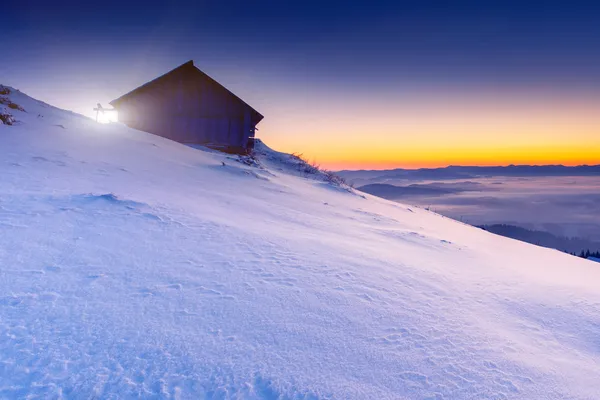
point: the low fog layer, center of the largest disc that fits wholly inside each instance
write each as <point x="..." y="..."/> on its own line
<point x="563" y="205"/>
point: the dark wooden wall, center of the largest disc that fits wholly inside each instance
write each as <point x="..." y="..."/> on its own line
<point x="189" y="107"/>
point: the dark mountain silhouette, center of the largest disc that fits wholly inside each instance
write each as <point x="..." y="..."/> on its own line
<point x="392" y="192"/>
<point x="459" y="172"/>
<point x="541" y="238"/>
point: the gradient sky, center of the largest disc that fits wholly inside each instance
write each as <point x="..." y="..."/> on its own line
<point x="350" y="84"/>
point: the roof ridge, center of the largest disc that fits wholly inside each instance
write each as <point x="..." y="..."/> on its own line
<point x="190" y="63"/>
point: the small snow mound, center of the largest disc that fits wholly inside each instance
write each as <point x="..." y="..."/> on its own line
<point x="110" y="198"/>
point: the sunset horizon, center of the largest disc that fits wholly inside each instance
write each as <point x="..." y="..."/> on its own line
<point x="348" y="86"/>
<point x="558" y="132"/>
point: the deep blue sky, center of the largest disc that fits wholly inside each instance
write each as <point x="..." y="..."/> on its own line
<point x="74" y="54"/>
<point x="505" y="41"/>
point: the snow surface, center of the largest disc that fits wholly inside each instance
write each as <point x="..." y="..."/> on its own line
<point x="133" y="266"/>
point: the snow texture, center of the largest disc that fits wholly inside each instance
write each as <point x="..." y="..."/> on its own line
<point x="133" y="266"/>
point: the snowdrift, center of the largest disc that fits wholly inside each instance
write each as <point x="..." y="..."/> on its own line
<point x="133" y="266"/>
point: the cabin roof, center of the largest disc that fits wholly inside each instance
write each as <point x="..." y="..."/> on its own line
<point x="187" y="65"/>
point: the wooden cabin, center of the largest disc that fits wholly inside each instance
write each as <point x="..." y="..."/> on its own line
<point x="188" y="106"/>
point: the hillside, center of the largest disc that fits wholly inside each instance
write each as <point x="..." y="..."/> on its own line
<point x="133" y="266"/>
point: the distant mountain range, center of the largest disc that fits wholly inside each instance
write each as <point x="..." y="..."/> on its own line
<point x="393" y="192"/>
<point x="459" y="172"/>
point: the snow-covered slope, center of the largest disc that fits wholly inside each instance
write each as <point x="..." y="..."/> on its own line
<point x="134" y="266"/>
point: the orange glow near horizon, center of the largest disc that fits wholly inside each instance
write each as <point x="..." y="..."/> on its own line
<point x="413" y="157"/>
<point x="428" y="133"/>
<point x="430" y="158"/>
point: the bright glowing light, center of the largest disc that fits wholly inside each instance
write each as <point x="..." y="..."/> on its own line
<point x="108" y="116"/>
